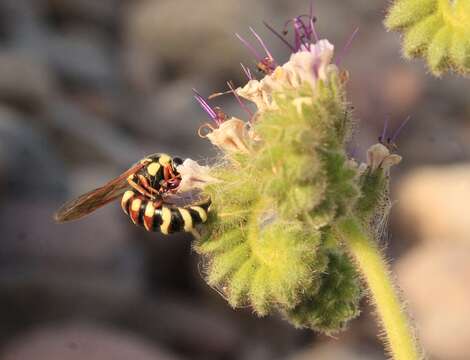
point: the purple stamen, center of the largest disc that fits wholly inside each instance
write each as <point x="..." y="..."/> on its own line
<point x="268" y="53"/>
<point x="250" y="47"/>
<point x="303" y="32"/>
<point x="346" y="47"/>
<point x="305" y="28"/>
<point x="279" y="36"/>
<point x="247" y="72"/>
<point x="205" y="106"/>
<point x="313" y="30"/>
<point x="312" y="23"/>
<point x="300" y="33"/>
<point x="395" y="134"/>
<point x="297" y="39"/>
<point x="243" y="106"/>
<point x="384" y="130"/>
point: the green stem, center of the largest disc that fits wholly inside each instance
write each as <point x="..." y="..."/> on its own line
<point x="399" y="334"/>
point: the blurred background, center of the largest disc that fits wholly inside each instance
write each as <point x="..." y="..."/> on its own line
<point x="89" y="87"/>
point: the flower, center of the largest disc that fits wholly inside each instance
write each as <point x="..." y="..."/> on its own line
<point x="308" y="65"/>
<point x="231" y="136"/>
<point x="379" y="157"/>
<point x="284" y="181"/>
<point x="194" y="176"/>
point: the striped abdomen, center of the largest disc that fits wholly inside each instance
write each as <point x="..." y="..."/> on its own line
<point x="166" y="219"/>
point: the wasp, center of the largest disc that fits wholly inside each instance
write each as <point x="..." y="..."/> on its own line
<point x="144" y="189"/>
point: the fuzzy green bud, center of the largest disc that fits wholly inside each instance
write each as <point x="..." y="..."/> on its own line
<point x="329" y="307"/>
<point x="437" y="30"/>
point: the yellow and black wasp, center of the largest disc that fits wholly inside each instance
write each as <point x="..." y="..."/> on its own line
<point x="144" y="188"/>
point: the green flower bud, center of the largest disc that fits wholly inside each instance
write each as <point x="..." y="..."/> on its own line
<point x="329" y="307"/>
<point x="437" y="30"/>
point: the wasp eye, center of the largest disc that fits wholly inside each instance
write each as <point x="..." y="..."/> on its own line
<point x="177" y="161"/>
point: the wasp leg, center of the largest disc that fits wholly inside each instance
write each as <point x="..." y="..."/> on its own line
<point x="173" y="175"/>
<point x="158" y="203"/>
<point x="170" y="178"/>
<point x="166" y="173"/>
<point x="145" y="184"/>
<point x="139" y="188"/>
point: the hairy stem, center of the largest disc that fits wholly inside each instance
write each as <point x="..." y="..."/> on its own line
<point x="399" y="333"/>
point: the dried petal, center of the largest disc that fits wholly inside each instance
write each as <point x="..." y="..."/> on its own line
<point x="379" y="156"/>
<point x="231" y="136"/>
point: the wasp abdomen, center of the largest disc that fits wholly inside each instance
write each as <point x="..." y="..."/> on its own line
<point x="155" y="216"/>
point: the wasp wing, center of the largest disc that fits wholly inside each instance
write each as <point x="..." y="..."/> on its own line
<point x="94" y="199"/>
<point x="187" y="198"/>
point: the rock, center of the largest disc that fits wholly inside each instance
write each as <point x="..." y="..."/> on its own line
<point x="23" y="81"/>
<point x="25" y="153"/>
<point x="433" y="203"/>
<point x="103" y="12"/>
<point x="164" y="43"/>
<point x="336" y="351"/>
<point x="194" y="326"/>
<point x="82" y="341"/>
<point x="80" y="58"/>
<point x="435" y="281"/>
<point x="402" y="88"/>
<point x="100" y="138"/>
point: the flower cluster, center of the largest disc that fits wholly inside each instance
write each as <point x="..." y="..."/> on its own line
<point x="438" y="30"/>
<point x="282" y="182"/>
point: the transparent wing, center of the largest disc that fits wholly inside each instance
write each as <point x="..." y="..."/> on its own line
<point x="187" y="198"/>
<point x="94" y="199"/>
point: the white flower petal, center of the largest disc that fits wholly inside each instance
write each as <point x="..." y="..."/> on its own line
<point x="231" y="136"/>
<point x="194" y="176"/>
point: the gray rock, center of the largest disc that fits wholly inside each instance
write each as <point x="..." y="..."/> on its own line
<point x="76" y="341"/>
<point x="335" y="351"/>
<point x="24" y="82"/>
<point x="29" y="167"/>
<point x="164" y="43"/>
<point x="434" y="278"/>
<point x="433" y="203"/>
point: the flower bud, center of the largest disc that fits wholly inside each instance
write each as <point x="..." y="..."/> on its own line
<point x="438" y="31"/>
